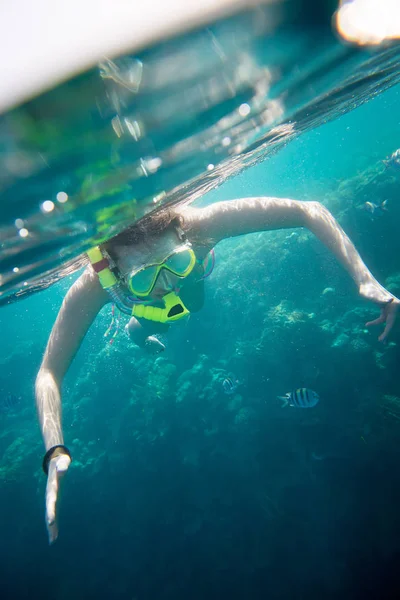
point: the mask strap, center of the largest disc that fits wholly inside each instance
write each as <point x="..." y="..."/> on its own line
<point x="208" y="270"/>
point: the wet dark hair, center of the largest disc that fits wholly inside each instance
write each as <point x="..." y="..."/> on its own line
<point x="146" y="227"/>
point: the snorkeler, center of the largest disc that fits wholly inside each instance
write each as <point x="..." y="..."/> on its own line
<point x="154" y="271"/>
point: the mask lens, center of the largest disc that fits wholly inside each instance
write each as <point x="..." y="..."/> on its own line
<point x="180" y="262"/>
<point x="141" y="283"/>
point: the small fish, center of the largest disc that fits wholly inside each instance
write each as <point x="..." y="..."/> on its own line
<point x="376" y="209"/>
<point x="9" y="402"/>
<point x="230" y="384"/>
<point x="393" y="161"/>
<point x="300" y="398"/>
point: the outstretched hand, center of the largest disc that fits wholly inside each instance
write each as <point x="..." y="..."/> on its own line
<point x="387" y="316"/>
<point x="57" y="468"/>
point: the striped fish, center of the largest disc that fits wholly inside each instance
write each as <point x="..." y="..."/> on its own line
<point x="230" y="384"/>
<point x="300" y="398"/>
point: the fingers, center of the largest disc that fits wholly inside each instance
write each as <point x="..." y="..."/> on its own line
<point x="62" y="463"/>
<point x="51" y="501"/>
<point x="377" y="321"/>
<point x="52" y="531"/>
<point x="385" y="333"/>
<point x="391" y="317"/>
<point x="388" y="316"/>
<point x="57" y="467"/>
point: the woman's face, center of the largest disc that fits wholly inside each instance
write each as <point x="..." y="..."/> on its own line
<point x="152" y="250"/>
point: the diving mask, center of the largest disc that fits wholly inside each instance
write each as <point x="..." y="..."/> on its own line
<point x="173" y="309"/>
<point x="180" y="263"/>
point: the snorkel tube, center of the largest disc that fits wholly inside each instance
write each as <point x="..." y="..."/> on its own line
<point x="173" y="310"/>
<point x="108" y="280"/>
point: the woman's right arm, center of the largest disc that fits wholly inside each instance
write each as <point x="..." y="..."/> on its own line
<point x="82" y="303"/>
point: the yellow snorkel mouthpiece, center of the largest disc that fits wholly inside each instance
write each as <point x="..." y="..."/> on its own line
<point x="173" y="311"/>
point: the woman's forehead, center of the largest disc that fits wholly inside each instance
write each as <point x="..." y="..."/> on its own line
<point x="149" y="250"/>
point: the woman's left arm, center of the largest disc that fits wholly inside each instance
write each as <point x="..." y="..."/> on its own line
<point x="237" y="217"/>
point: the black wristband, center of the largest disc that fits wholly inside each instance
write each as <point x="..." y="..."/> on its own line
<point x="52" y="453"/>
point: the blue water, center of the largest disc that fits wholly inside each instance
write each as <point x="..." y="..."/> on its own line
<point x="166" y="125"/>
<point x="179" y="491"/>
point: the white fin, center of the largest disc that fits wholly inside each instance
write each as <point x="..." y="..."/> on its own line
<point x="284" y="400"/>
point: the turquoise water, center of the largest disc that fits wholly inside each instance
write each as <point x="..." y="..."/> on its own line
<point x="178" y="490"/>
<point x="166" y="125"/>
